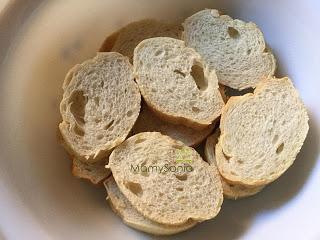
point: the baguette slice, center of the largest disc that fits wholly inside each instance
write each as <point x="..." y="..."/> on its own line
<point x="100" y="105"/>
<point x="186" y="188"/>
<point x="175" y="84"/>
<point x="134" y="219"/>
<point x="127" y="38"/>
<point x="261" y="133"/>
<point x="231" y="191"/>
<point x="94" y="172"/>
<point x="148" y="122"/>
<point x="235" y="49"/>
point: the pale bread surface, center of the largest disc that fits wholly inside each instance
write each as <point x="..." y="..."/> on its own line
<point x="261" y="133"/>
<point x="175" y="84"/>
<point x="100" y="105"/>
<point x="234" y="48"/>
<point x="171" y="197"/>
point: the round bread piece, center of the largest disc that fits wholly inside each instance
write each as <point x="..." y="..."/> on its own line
<point x="175" y="84"/>
<point x="166" y="181"/>
<point x="127" y="38"/>
<point x="100" y="105"/>
<point x="235" y="49"/>
<point x="261" y="133"/>
<point x="230" y="190"/>
<point x="148" y="122"/>
<point x="121" y="206"/>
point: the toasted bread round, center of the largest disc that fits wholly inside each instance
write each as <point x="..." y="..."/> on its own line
<point x="166" y="181"/>
<point x="230" y="190"/>
<point x="100" y="105"/>
<point x="235" y="49"/>
<point x="175" y="84"/>
<point x="131" y="217"/>
<point x="261" y="133"/>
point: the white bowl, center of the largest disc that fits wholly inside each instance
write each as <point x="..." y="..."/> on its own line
<point x="41" y="40"/>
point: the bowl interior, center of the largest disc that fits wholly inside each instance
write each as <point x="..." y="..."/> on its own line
<point x="40" y="195"/>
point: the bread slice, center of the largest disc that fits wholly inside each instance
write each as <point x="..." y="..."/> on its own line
<point x="148" y="122"/>
<point x="100" y="105"/>
<point x="173" y="185"/>
<point x="261" y="133"/>
<point x="231" y="191"/>
<point x="175" y="84"/>
<point x="127" y="38"/>
<point x="94" y="172"/>
<point x="134" y="219"/>
<point x="235" y="49"/>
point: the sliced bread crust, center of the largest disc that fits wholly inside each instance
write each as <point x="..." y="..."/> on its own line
<point x="189" y="188"/>
<point x="261" y="133"/>
<point x="175" y="84"/>
<point x="100" y="105"/>
<point x="235" y="49"/>
<point x="131" y="217"/>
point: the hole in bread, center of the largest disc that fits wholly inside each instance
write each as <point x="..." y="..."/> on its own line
<point x="78" y="103"/>
<point x="144" y="173"/>
<point x="153" y="90"/>
<point x="195" y="109"/>
<point x="231" y="185"/>
<point x="78" y="130"/>
<point x="280" y="148"/>
<point x="182" y="177"/>
<point x="160" y="52"/>
<point x="180" y="189"/>
<point x="139" y="140"/>
<point x="275" y="139"/>
<point x="233" y="33"/>
<point x="179" y="73"/>
<point x="226" y="157"/>
<point x="133" y="187"/>
<point x="182" y="199"/>
<point x="198" y="76"/>
<point x="129" y="113"/>
<point x="248" y="51"/>
<point x="108" y="125"/>
<point x="101" y="84"/>
<point x="258" y="166"/>
<point x="240" y="161"/>
<point x="233" y="173"/>
<point x="100" y="136"/>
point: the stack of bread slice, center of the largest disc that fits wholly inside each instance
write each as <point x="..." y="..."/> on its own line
<point x="132" y="115"/>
